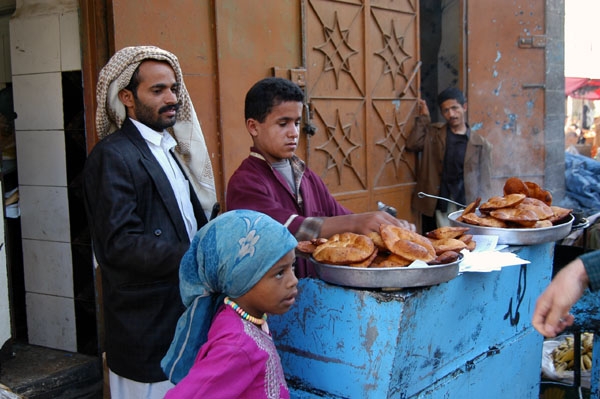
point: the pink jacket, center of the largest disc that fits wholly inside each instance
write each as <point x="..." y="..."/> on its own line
<point x="239" y="360"/>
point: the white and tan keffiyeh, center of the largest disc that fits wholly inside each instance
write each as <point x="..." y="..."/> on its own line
<point x="191" y="147"/>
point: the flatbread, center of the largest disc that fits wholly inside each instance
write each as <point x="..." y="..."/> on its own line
<point x="344" y="249"/>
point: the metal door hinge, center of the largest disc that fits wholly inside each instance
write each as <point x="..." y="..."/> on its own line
<point x="534" y="41"/>
<point x="308" y="128"/>
<point x="296" y="75"/>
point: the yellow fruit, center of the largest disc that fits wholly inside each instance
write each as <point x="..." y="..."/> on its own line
<point x="566" y="356"/>
<point x="587" y="341"/>
<point x="563" y="355"/>
<point x="587" y="361"/>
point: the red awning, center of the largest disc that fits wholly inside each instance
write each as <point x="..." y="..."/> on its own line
<point x="584" y="88"/>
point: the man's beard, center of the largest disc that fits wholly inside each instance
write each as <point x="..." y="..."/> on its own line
<point x="145" y="115"/>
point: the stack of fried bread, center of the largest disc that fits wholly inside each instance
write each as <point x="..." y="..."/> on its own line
<point x="449" y="241"/>
<point x="346" y="249"/>
<point x="514" y="185"/>
<point x="392" y="246"/>
<point x="523" y="205"/>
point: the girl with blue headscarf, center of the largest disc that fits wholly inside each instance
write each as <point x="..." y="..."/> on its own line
<point x="239" y="268"/>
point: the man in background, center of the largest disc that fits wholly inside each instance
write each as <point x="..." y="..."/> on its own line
<point x="455" y="161"/>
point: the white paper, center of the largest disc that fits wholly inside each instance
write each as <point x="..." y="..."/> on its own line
<point x="487" y="261"/>
<point x="417" y="264"/>
<point x="485" y="243"/>
<point x="486" y="256"/>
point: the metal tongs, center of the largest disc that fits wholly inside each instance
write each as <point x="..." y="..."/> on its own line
<point x="421" y="194"/>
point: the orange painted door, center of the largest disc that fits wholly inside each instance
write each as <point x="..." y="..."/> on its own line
<point x="252" y="38"/>
<point x="362" y="60"/>
<point x="506" y="85"/>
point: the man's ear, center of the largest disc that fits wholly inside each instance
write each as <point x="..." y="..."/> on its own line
<point x="126" y="97"/>
<point x="251" y="126"/>
<point x="465" y="106"/>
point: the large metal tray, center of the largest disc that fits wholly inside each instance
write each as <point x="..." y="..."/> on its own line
<point x="522" y="236"/>
<point x="390" y="277"/>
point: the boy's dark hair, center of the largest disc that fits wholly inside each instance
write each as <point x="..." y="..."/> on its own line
<point x="267" y="93"/>
<point x="451" y="93"/>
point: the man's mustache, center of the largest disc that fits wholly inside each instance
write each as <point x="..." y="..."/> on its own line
<point x="166" y="108"/>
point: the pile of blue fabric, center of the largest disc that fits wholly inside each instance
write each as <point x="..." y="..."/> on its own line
<point x="582" y="180"/>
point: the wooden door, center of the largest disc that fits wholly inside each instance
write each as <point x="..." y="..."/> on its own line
<point x="506" y="87"/>
<point x="362" y="82"/>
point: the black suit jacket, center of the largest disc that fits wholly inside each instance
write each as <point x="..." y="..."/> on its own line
<point x="139" y="237"/>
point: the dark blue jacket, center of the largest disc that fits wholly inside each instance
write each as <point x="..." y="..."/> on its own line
<point x="139" y="237"/>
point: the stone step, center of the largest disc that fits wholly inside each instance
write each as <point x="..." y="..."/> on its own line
<point x="36" y="372"/>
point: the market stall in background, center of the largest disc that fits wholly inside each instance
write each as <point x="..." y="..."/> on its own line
<point x="582" y="125"/>
<point x="582" y="77"/>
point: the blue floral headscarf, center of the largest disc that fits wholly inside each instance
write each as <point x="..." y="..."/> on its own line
<point x="227" y="257"/>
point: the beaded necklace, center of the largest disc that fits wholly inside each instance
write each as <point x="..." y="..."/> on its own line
<point x="245" y="314"/>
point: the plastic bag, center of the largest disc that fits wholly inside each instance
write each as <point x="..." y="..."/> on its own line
<point x="548" y="370"/>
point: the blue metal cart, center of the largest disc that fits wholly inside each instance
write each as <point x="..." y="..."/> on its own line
<point x="470" y="337"/>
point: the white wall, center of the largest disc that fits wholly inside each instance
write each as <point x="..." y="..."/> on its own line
<point x="582" y="48"/>
<point x="44" y="41"/>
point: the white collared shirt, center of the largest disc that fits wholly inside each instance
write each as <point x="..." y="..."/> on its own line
<point x="160" y="144"/>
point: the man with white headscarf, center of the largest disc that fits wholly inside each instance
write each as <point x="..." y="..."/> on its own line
<point x="148" y="187"/>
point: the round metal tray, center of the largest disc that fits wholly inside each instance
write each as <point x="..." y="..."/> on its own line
<point x="522" y="236"/>
<point x="389" y="277"/>
<point x="582" y="224"/>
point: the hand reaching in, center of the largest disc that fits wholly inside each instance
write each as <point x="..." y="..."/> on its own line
<point x="551" y="315"/>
